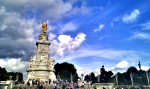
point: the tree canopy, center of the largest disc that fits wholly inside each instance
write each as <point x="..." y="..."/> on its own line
<point x="4" y="75"/>
<point x="65" y="71"/>
<point x="139" y="77"/>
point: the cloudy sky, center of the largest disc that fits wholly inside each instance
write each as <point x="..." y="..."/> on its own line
<point x="86" y="33"/>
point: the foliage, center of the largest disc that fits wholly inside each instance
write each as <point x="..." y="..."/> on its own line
<point x="91" y="77"/>
<point x="139" y="77"/>
<point x="65" y="70"/>
<point x="105" y="76"/>
<point x="4" y="75"/>
<point x="87" y="78"/>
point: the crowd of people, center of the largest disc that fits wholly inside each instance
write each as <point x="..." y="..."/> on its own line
<point x="58" y="84"/>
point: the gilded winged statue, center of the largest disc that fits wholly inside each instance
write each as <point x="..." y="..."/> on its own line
<point x="44" y="27"/>
<point x="43" y="35"/>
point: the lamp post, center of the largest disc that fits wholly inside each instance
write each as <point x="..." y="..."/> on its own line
<point x="82" y="75"/>
<point x="140" y="73"/>
<point x="71" y="77"/>
<point x="116" y="76"/>
<point x="147" y="77"/>
<point x="131" y="76"/>
<point x="98" y="76"/>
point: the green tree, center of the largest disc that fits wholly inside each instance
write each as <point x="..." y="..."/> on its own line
<point x="87" y="78"/>
<point x="105" y="76"/>
<point x="65" y="70"/>
<point x="93" y="78"/>
<point x="139" y="77"/>
<point x="4" y="75"/>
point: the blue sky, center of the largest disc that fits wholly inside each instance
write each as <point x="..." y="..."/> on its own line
<point x="86" y="33"/>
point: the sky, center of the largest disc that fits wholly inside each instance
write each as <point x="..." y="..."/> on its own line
<point x="86" y="33"/>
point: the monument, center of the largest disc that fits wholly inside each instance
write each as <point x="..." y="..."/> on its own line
<point x="41" y="66"/>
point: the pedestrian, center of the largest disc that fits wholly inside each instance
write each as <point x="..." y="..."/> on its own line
<point x="30" y="83"/>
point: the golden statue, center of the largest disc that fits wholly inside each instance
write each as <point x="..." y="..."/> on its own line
<point x="43" y="35"/>
<point x="44" y="27"/>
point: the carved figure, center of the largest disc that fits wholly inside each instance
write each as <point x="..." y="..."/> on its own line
<point x="32" y="63"/>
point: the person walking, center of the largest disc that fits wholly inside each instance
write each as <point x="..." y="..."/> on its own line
<point x="30" y="83"/>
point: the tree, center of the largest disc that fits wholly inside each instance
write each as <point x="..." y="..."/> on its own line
<point x="108" y="75"/>
<point x="93" y="78"/>
<point x="4" y="75"/>
<point x="87" y="78"/>
<point x="105" y="76"/>
<point x="139" y="77"/>
<point x="65" y="70"/>
<point x="132" y="70"/>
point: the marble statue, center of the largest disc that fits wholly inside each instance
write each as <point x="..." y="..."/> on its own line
<point x="41" y="65"/>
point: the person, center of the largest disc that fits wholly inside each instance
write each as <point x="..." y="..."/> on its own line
<point x="49" y="81"/>
<point x="30" y="83"/>
<point x="76" y="86"/>
<point x="54" y="84"/>
<point x="41" y="85"/>
<point x="71" y="85"/>
<point x="63" y="87"/>
<point x="38" y="83"/>
<point x="104" y="88"/>
<point x="46" y="87"/>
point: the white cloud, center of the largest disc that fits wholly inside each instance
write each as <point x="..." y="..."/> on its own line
<point x="145" y="68"/>
<point x="64" y="39"/>
<point x="65" y="44"/>
<point x="83" y="70"/>
<point x="132" y="17"/>
<point x="51" y="36"/>
<point x="99" y="28"/>
<point x="14" y="65"/>
<point x="146" y="26"/>
<point x="140" y="35"/>
<point x="69" y="27"/>
<point x="122" y="64"/>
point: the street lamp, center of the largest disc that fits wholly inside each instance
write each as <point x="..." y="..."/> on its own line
<point x="82" y="75"/>
<point x="131" y="76"/>
<point x="71" y="78"/>
<point x="116" y="76"/>
<point x="140" y="73"/>
<point x="147" y="77"/>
